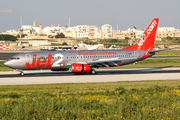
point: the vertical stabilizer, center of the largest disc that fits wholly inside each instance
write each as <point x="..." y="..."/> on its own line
<point x="72" y="47"/>
<point x="146" y="41"/>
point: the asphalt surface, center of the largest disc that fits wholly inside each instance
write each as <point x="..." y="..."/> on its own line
<point x="47" y="73"/>
<point x="103" y="75"/>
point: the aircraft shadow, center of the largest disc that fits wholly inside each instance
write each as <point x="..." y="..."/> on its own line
<point x="99" y="72"/>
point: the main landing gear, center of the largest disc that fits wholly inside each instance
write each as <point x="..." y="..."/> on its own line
<point x="21" y="73"/>
<point x="92" y="71"/>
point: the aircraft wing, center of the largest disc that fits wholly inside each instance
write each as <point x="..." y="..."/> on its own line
<point x="152" y="51"/>
<point x="108" y="62"/>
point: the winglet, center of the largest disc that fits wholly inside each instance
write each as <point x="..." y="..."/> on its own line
<point x="72" y="47"/>
<point x="147" y="39"/>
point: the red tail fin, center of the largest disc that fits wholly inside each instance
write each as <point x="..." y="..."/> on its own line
<point x="72" y="47"/>
<point x="147" y="39"/>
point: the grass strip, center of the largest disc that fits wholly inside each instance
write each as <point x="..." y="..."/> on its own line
<point x="168" y="53"/>
<point x="155" y="63"/>
<point x="3" y="67"/>
<point x="116" y="100"/>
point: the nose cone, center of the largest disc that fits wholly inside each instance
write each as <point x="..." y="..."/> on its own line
<point x="7" y="63"/>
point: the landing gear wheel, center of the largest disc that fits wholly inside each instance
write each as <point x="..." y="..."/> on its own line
<point x="21" y="73"/>
<point x="92" y="71"/>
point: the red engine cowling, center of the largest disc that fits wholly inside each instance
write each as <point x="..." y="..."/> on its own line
<point x="80" y="67"/>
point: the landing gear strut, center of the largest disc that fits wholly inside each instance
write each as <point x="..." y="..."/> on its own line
<point x="92" y="71"/>
<point x="21" y="72"/>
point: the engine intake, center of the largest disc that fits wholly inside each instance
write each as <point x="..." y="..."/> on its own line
<point x="75" y="68"/>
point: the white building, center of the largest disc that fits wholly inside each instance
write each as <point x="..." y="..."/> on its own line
<point x="82" y="35"/>
<point x="86" y="28"/>
<point x="97" y="35"/>
<point x="39" y="29"/>
<point x="51" y="30"/>
<point x="165" y="29"/>
<point x="133" y="33"/>
<point x="11" y="32"/>
<point x="83" y="31"/>
<point x="28" y="27"/>
<point x="107" y="29"/>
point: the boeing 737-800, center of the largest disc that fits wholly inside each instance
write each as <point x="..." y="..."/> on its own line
<point x="81" y="61"/>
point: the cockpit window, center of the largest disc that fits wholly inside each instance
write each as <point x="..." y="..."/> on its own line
<point x="15" y="58"/>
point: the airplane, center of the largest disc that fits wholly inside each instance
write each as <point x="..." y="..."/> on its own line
<point x="84" y="61"/>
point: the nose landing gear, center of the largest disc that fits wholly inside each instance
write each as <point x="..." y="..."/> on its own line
<point x="21" y="72"/>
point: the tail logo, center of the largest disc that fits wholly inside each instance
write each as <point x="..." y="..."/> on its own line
<point x="143" y="39"/>
<point x="144" y="36"/>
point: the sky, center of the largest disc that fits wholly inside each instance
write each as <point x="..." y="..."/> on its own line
<point x="125" y="13"/>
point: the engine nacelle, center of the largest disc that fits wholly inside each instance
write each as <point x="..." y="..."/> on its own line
<point x="59" y="69"/>
<point x="80" y="68"/>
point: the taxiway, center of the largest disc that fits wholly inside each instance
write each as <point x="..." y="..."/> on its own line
<point x="103" y="75"/>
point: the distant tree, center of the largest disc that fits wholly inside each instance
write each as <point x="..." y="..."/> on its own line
<point x="22" y="36"/>
<point x="50" y="36"/>
<point x="114" y="40"/>
<point x="64" y="43"/>
<point x="127" y="38"/>
<point x="168" y="38"/>
<point x="7" y="37"/>
<point x="61" y="35"/>
<point x="175" y="40"/>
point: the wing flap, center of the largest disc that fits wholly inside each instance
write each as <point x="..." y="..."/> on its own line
<point x="108" y="62"/>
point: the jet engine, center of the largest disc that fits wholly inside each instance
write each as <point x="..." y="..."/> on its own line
<point x="80" y="68"/>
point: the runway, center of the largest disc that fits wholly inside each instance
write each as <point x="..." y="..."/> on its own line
<point x="103" y="75"/>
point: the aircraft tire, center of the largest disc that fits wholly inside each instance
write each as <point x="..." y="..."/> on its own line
<point x="92" y="71"/>
<point x="21" y="73"/>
